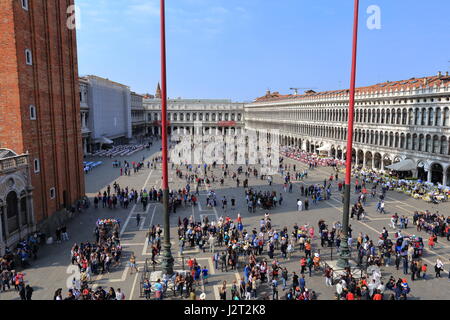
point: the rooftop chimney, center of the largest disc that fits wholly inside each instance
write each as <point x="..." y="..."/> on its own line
<point x="439" y="74"/>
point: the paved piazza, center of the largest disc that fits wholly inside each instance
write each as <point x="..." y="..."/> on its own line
<point x="53" y="270"/>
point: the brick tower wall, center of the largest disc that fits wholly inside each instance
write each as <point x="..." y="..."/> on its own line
<point x="51" y="84"/>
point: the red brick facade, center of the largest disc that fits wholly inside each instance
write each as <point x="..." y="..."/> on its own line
<point x="50" y="84"/>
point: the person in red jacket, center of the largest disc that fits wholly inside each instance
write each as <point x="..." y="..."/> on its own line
<point x="377" y="295"/>
<point x="350" y="295"/>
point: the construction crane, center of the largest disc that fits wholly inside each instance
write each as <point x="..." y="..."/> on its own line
<point x="296" y="89"/>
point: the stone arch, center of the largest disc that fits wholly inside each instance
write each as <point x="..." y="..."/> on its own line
<point x="386" y="160"/>
<point x="360" y="157"/>
<point x="368" y="158"/>
<point x="421" y="172"/>
<point x="437" y="172"/>
<point x="377" y="160"/>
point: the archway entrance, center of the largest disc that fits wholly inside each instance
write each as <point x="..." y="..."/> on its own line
<point x="360" y="158"/>
<point x="437" y="173"/>
<point x="369" y="159"/>
<point x="377" y="160"/>
<point x="421" y="173"/>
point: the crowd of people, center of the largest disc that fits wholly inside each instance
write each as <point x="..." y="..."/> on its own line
<point x="98" y="257"/>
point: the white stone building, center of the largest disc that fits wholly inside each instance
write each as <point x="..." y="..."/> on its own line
<point x="216" y="116"/>
<point x="16" y="202"/>
<point x="406" y="122"/>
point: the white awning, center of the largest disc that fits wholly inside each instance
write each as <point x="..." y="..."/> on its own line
<point x="106" y="140"/>
<point x="326" y="147"/>
<point x="404" y="165"/>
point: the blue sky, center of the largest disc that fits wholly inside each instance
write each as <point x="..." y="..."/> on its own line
<point x="237" y="49"/>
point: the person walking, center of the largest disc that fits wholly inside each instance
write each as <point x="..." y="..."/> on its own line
<point x="138" y="220"/>
<point x="274" y="289"/>
<point x="299" y="205"/>
<point x="439" y="266"/>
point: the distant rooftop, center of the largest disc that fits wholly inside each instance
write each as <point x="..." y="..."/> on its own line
<point x="432" y="81"/>
<point x="152" y="99"/>
<point x="89" y="77"/>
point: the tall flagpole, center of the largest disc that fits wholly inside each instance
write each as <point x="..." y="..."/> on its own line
<point x="167" y="259"/>
<point x="345" y="251"/>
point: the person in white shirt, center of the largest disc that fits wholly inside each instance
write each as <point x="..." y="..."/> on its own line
<point x="299" y="205"/>
<point x="120" y="295"/>
<point x="393" y="222"/>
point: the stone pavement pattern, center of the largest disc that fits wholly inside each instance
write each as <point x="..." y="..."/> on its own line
<point x="53" y="269"/>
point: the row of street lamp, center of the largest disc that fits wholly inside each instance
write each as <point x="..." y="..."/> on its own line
<point x="167" y="258"/>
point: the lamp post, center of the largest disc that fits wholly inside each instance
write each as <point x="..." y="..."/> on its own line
<point x="344" y="257"/>
<point x="167" y="259"/>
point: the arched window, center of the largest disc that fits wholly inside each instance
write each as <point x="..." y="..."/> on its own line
<point x="436" y="148"/>
<point x="410" y="117"/>
<point x="428" y="144"/>
<point x="438" y="117"/>
<point x="424" y="117"/>
<point x="444" y="145"/>
<point x="421" y="143"/>
<point x="12" y="212"/>
<point x="430" y="116"/>
<point x="445" y="121"/>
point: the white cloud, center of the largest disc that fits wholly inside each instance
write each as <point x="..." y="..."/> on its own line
<point x="219" y="10"/>
<point x="148" y="7"/>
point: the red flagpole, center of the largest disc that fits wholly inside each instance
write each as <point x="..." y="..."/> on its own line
<point x="167" y="259"/>
<point x="345" y="251"/>
<point x="165" y="184"/>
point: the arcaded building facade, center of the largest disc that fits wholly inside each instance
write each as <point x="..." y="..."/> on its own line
<point x="394" y="121"/>
<point x="39" y="100"/>
<point x="217" y="116"/>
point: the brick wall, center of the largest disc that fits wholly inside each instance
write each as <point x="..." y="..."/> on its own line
<point x="51" y="85"/>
